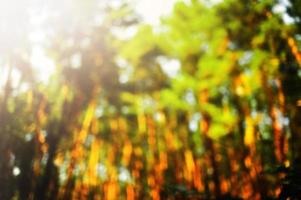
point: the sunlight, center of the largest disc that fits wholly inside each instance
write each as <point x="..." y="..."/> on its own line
<point x="152" y="10"/>
<point x="21" y="27"/>
<point x="13" y="23"/>
<point x="22" y="23"/>
<point x="43" y="65"/>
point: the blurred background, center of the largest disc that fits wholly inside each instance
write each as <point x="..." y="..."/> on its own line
<point x="150" y="99"/>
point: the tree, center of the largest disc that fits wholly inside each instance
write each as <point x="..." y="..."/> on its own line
<point x="205" y="105"/>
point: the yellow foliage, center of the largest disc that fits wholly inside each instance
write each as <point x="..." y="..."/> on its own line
<point x="249" y="137"/>
<point x="127" y="152"/>
<point x="189" y="161"/>
<point x="141" y="122"/>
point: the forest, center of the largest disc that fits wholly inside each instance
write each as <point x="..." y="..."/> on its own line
<point x="96" y="103"/>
